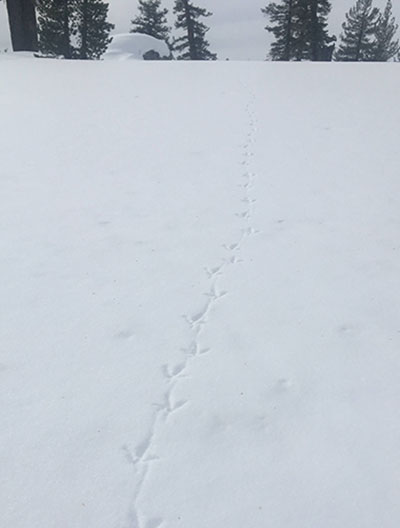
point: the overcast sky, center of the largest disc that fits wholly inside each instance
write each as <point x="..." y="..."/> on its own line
<point x="236" y="28"/>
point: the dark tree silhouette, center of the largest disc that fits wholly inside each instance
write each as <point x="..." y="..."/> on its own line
<point x="193" y="44"/>
<point x="300" y="30"/>
<point x="73" y="29"/>
<point x="357" y="39"/>
<point x="92" y="28"/>
<point x="386" y="45"/>
<point x="55" y="19"/>
<point x="22" y="21"/>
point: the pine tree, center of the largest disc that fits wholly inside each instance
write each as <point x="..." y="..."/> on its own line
<point x="73" y="29"/>
<point x="318" y="43"/>
<point x="193" y="44"/>
<point x="151" y="20"/>
<point x="283" y="17"/>
<point x="386" y="46"/>
<point x="55" y="18"/>
<point x="92" y="28"/>
<point x="357" y="40"/>
<point x="300" y="30"/>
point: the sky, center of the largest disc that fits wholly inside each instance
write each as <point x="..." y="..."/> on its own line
<point x="236" y="27"/>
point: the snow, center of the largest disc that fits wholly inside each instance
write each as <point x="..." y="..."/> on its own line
<point x="12" y="55"/>
<point x="133" y="46"/>
<point x="200" y="281"/>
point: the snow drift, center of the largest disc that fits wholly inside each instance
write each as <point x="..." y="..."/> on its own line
<point x="136" y="46"/>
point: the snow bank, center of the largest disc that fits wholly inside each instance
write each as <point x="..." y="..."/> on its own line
<point x="15" y="55"/>
<point x="136" y="46"/>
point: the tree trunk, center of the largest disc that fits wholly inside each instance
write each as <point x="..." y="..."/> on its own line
<point x="190" y="29"/>
<point x="288" y="40"/>
<point x="360" y="39"/>
<point x="22" y="21"/>
<point x="83" y="54"/>
<point x="67" y="51"/>
<point x="315" y="41"/>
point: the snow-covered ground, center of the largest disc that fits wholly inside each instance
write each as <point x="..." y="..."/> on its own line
<point x="200" y="281"/>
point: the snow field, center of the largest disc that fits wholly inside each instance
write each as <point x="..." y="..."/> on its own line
<point x="200" y="295"/>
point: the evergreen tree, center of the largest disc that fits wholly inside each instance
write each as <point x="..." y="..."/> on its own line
<point x="357" y="40"/>
<point x="193" y="44"/>
<point x="386" y="46"/>
<point x="73" y="29"/>
<point x="283" y="17"/>
<point x="92" y="28"/>
<point x="300" y="30"/>
<point x="55" y="18"/>
<point x="313" y="21"/>
<point x="151" y="20"/>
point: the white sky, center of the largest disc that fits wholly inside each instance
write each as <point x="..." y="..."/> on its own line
<point x="236" y="28"/>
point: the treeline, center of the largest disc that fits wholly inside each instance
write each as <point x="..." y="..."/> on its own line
<point x="79" y="29"/>
<point x="300" y="30"/>
<point x="191" y="43"/>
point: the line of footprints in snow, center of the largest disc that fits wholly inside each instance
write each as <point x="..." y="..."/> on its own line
<point x="142" y="456"/>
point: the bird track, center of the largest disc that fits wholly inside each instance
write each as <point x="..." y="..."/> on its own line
<point x="141" y="456"/>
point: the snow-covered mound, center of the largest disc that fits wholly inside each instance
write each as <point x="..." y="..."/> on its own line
<point x="137" y="46"/>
